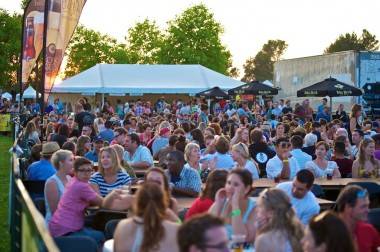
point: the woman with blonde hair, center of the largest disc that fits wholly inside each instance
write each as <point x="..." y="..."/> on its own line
<point x="110" y="174"/>
<point x="83" y="145"/>
<point x="31" y="132"/>
<point x="366" y="166"/>
<point x="192" y="156"/>
<point x="277" y="221"/>
<point x="63" y="161"/>
<point x="49" y="131"/>
<point x="120" y="152"/>
<point x="240" y="154"/>
<point x="241" y="136"/>
<point x="148" y="230"/>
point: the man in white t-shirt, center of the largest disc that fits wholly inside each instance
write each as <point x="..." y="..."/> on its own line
<point x="282" y="166"/>
<point x="303" y="200"/>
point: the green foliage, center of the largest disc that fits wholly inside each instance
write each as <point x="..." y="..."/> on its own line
<point x="88" y="47"/>
<point x="144" y="42"/>
<point x="351" y="41"/>
<point x="10" y="47"/>
<point x="261" y="66"/>
<point x="6" y="143"/>
<point x="194" y="38"/>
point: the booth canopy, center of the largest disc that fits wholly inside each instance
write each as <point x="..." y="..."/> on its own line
<point x="329" y="87"/>
<point x="28" y="93"/>
<point x="7" y="96"/>
<point x="214" y="92"/>
<point x="145" y="79"/>
<point x="253" y="88"/>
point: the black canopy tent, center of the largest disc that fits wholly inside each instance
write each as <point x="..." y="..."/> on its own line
<point x="214" y="92"/>
<point x="253" y="88"/>
<point x="329" y="87"/>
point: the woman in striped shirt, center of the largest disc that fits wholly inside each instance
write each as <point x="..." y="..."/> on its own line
<point x="110" y="175"/>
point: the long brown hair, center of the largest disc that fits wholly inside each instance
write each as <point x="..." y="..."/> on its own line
<point x="116" y="166"/>
<point x="327" y="228"/>
<point x="284" y="217"/>
<point x="215" y="180"/>
<point x="166" y="183"/>
<point x="151" y="206"/>
<point x="362" y="157"/>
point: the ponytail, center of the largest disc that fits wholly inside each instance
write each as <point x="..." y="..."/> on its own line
<point x="151" y="206"/>
<point x="153" y="228"/>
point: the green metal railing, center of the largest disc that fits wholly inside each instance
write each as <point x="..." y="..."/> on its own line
<point x="28" y="230"/>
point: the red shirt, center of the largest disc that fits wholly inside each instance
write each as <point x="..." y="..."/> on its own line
<point x="367" y="237"/>
<point x="199" y="206"/>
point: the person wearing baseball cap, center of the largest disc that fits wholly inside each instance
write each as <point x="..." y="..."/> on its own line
<point x="43" y="169"/>
<point x="97" y="144"/>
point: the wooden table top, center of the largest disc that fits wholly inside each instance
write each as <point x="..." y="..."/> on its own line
<point x="185" y="202"/>
<point x="338" y="182"/>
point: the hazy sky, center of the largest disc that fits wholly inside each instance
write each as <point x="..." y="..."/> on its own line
<point x="307" y="26"/>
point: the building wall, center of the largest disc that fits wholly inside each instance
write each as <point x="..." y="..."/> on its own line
<point x="294" y="74"/>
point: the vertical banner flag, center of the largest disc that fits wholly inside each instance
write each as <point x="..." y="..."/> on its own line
<point x="33" y="30"/>
<point x="63" y="17"/>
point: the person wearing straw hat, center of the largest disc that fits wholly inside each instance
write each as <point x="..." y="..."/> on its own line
<point x="43" y="169"/>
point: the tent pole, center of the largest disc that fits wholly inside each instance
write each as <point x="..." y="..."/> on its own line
<point x="331" y="105"/>
<point x="102" y="100"/>
<point x="209" y="104"/>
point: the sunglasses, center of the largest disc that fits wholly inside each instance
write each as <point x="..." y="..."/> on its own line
<point x="284" y="144"/>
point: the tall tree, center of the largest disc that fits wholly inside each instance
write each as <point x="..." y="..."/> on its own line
<point x="261" y="66"/>
<point x="194" y="37"/>
<point x="351" y="41"/>
<point x="88" y="47"/>
<point x="10" y="46"/>
<point x="144" y="43"/>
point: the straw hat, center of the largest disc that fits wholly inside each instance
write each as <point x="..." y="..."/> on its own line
<point x="49" y="148"/>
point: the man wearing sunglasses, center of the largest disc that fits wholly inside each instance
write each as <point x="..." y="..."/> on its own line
<point x="353" y="208"/>
<point x="282" y="166"/>
<point x="203" y="233"/>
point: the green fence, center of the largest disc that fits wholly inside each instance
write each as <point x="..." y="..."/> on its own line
<point x="27" y="226"/>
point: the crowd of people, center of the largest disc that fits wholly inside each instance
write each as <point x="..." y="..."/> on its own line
<point x="186" y="149"/>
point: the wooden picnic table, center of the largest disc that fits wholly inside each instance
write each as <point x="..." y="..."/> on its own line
<point x="185" y="202"/>
<point x="336" y="183"/>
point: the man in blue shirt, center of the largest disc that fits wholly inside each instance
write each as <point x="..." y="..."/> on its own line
<point x="43" y="169"/>
<point x="324" y="114"/>
<point x="94" y="154"/>
<point x="321" y="107"/>
<point x="107" y="134"/>
<point x="183" y="181"/>
<point x="137" y="155"/>
<point x="301" y="157"/>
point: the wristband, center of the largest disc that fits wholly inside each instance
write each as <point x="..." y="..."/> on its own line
<point x="285" y="161"/>
<point x="235" y="212"/>
<point x="179" y="221"/>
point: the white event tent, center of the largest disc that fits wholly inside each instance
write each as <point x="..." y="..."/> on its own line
<point x="29" y="93"/>
<point x="130" y="79"/>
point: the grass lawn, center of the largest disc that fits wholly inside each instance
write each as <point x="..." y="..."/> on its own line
<point x="5" y="143"/>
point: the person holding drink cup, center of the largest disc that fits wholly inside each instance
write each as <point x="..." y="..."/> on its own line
<point x="321" y="167"/>
<point x="282" y="166"/>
